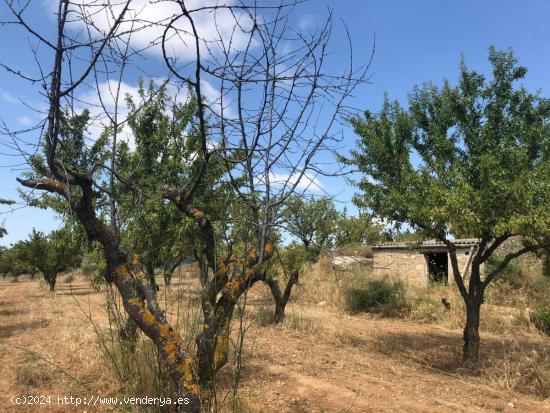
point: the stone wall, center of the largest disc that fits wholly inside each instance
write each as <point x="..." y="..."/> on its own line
<point x="410" y="266"/>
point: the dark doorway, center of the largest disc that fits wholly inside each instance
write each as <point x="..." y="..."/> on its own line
<point x="438" y="267"/>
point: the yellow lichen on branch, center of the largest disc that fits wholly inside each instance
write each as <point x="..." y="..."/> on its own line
<point x="148" y="317"/>
<point x="232" y="289"/>
<point x="197" y="213"/>
<point x="164" y="330"/>
<point x="268" y="249"/>
<point x="55" y="185"/>
<point x="122" y="272"/>
<point x="171" y="350"/>
<point x="252" y="255"/>
<point x="135" y="259"/>
<point x="186" y="370"/>
<point x="221" y="347"/>
<point x="135" y="302"/>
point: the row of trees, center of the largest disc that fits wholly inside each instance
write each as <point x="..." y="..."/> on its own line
<point x="213" y="171"/>
<point x="163" y="242"/>
<point x="220" y="175"/>
<point x="48" y="254"/>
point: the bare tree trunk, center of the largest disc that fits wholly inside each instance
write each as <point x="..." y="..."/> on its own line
<point x="212" y="349"/>
<point x="129" y="334"/>
<point x="151" y="274"/>
<point x="473" y="303"/>
<point x="471" y="334"/>
<point x="281" y="299"/>
<point x="51" y="278"/>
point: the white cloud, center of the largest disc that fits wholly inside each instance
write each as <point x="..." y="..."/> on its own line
<point x="8" y="97"/>
<point x="24" y="120"/>
<point x="307" y="22"/>
<point x="148" y="21"/>
<point x="102" y="99"/>
<point x="305" y="182"/>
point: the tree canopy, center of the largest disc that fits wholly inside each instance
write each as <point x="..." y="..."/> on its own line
<point x="471" y="160"/>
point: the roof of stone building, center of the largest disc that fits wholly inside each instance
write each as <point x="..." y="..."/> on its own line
<point x="431" y="243"/>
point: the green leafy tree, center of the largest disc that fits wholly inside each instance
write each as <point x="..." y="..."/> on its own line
<point x="357" y="230"/>
<point x="312" y="223"/>
<point x="13" y="261"/>
<point x="3" y="230"/>
<point x="471" y="160"/>
<point x="166" y="145"/>
<point x="51" y="254"/>
<point x="4" y="261"/>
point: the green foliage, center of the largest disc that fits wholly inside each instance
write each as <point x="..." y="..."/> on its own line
<point x="3" y="230"/>
<point x="50" y="254"/>
<point x="90" y="261"/>
<point x="167" y="154"/>
<point x="541" y="319"/>
<point x="294" y="256"/>
<point x="312" y="221"/>
<point x="12" y="261"/>
<point x="471" y="160"/>
<point x="93" y="265"/>
<point x="379" y="296"/>
<point x="357" y="230"/>
<point x="511" y="274"/>
<point x="546" y="263"/>
<point x="74" y="153"/>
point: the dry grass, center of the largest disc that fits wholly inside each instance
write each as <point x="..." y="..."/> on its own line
<point x="33" y="372"/>
<point x="507" y="312"/>
<point x="518" y="368"/>
<point x="425" y="347"/>
<point x="324" y="285"/>
<point x="68" y="279"/>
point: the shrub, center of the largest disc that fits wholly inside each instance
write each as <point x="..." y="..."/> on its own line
<point x="69" y="279"/>
<point x="512" y="273"/>
<point x="541" y="319"/>
<point x="380" y="296"/>
<point x="90" y="262"/>
<point x="264" y="316"/>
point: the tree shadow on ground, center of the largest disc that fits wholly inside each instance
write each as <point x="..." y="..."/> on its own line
<point x="444" y="351"/>
<point x="8" y="313"/>
<point x="80" y="290"/>
<point x="9" y="330"/>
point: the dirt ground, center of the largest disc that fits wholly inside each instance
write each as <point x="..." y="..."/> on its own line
<point x="319" y="360"/>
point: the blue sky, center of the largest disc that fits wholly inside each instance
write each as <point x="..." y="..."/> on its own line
<point x="415" y="42"/>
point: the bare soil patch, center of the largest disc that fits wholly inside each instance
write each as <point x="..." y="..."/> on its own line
<point x="319" y="360"/>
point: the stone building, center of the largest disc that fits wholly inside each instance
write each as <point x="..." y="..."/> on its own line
<point x="420" y="264"/>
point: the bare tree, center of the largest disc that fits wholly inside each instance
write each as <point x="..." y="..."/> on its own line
<point x="267" y="110"/>
<point x="274" y="113"/>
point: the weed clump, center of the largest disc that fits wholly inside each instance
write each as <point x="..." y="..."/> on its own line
<point x="541" y="319"/>
<point x="379" y="296"/>
<point x="33" y="374"/>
